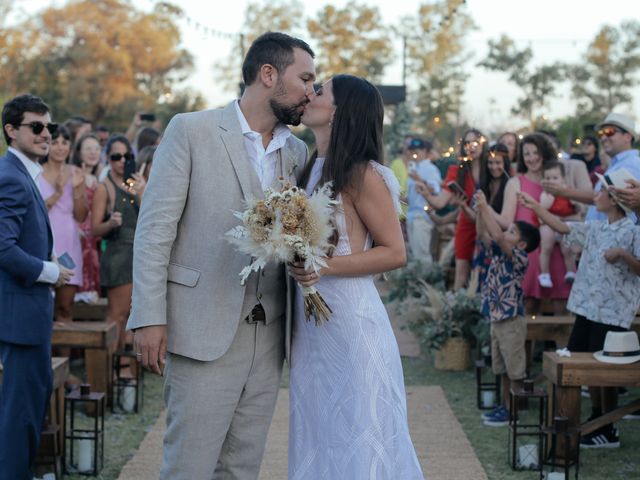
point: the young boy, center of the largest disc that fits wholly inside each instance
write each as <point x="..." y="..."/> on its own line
<point x="503" y="301"/>
<point x="563" y="208"/>
<point x="604" y="295"/>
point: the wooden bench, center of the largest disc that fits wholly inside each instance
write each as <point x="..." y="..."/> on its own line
<point x="60" y="367"/>
<point x="557" y="328"/>
<point x="567" y="374"/>
<point x="99" y="341"/>
<point x="90" y="311"/>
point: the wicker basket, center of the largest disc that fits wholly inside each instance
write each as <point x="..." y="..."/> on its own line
<point x="454" y="355"/>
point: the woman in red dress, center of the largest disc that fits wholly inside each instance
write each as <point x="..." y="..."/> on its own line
<point x="462" y="182"/>
<point x="86" y="155"/>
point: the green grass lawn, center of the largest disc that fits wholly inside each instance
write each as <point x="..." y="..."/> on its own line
<point x="490" y="443"/>
<point x="124" y="433"/>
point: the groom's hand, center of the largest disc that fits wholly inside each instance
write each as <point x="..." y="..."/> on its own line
<point x="306" y="278"/>
<point x="151" y="345"/>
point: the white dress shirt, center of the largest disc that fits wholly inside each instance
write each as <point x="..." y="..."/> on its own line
<point x="50" y="271"/>
<point x="264" y="160"/>
<point x="314" y="176"/>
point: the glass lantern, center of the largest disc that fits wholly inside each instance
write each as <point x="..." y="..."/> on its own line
<point x="84" y="436"/>
<point x="526" y="427"/>
<point x="561" y="459"/>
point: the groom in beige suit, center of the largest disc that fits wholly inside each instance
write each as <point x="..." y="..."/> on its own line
<point x="223" y="343"/>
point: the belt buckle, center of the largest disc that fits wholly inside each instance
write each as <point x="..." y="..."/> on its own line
<point x="250" y="319"/>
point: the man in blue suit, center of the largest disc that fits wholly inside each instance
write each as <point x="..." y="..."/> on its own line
<point x="27" y="271"/>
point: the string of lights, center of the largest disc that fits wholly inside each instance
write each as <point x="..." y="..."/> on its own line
<point x="194" y="23"/>
<point x="206" y="30"/>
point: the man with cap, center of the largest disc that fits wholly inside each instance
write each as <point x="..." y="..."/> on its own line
<point x="420" y="227"/>
<point x="617" y="133"/>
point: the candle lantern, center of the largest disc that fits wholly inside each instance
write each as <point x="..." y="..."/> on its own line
<point x="50" y="452"/>
<point x="487" y="385"/>
<point x="526" y="427"/>
<point x="561" y="459"/>
<point x="84" y="436"/>
<point x="128" y="391"/>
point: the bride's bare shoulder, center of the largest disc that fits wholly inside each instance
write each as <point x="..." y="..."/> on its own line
<point x="373" y="191"/>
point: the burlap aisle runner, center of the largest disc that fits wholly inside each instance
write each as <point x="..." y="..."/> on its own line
<point x="444" y="450"/>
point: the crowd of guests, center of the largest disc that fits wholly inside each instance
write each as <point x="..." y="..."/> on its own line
<point x="498" y="207"/>
<point x="92" y="183"/>
<point x="539" y="225"/>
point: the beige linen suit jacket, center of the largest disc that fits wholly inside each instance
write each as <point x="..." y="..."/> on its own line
<point x="185" y="273"/>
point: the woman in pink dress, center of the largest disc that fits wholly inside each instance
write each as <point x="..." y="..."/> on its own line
<point x="535" y="152"/>
<point x="62" y="188"/>
<point x="86" y="155"/>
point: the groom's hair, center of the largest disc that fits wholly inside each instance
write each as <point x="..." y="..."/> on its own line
<point x="273" y="48"/>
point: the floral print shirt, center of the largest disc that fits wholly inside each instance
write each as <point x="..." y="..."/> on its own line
<point x="502" y="296"/>
<point x="605" y="292"/>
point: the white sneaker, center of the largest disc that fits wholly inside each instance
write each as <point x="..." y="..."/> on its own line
<point x="569" y="277"/>
<point x="632" y="416"/>
<point x="545" y="280"/>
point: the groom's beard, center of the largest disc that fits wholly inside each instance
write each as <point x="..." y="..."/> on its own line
<point x="287" y="114"/>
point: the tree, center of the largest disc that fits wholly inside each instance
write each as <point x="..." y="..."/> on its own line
<point x="538" y="84"/>
<point x="5" y="8"/>
<point x="609" y="74"/>
<point x="351" y="40"/>
<point x="435" y="55"/>
<point x="98" y="59"/>
<point x="399" y="128"/>
<point x="276" y="16"/>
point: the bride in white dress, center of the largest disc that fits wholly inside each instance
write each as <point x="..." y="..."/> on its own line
<point x="348" y="415"/>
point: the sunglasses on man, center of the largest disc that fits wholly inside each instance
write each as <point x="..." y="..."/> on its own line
<point x="38" y="127"/>
<point x="608" y="131"/>
<point x="116" y="157"/>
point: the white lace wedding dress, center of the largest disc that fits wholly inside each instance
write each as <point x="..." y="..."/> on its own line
<point x="348" y="415"/>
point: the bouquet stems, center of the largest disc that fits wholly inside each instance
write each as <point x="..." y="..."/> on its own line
<point x="315" y="305"/>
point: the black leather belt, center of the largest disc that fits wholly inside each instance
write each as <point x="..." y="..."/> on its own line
<point x="257" y="315"/>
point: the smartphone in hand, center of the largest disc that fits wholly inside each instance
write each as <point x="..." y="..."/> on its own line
<point x="129" y="170"/>
<point x="66" y="261"/>
<point x="456" y="188"/>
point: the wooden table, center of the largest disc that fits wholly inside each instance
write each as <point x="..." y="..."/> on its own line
<point x="557" y="328"/>
<point x="567" y="374"/>
<point x="60" y="367"/>
<point x="90" y="311"/>
<point x="99" y="341"/>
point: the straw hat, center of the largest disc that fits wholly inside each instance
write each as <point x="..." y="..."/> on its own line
<point x="619" y="120"/>
<point x="615" y="179"/>
<point x="620" y="348"/>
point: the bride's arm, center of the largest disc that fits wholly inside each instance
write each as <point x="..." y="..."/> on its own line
<point x="376" y="210"/>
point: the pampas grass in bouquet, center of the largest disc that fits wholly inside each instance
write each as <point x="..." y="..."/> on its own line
<point x="288" y="226"/>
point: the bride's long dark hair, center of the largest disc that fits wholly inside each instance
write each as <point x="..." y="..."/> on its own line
<point x="356" y="134"/>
